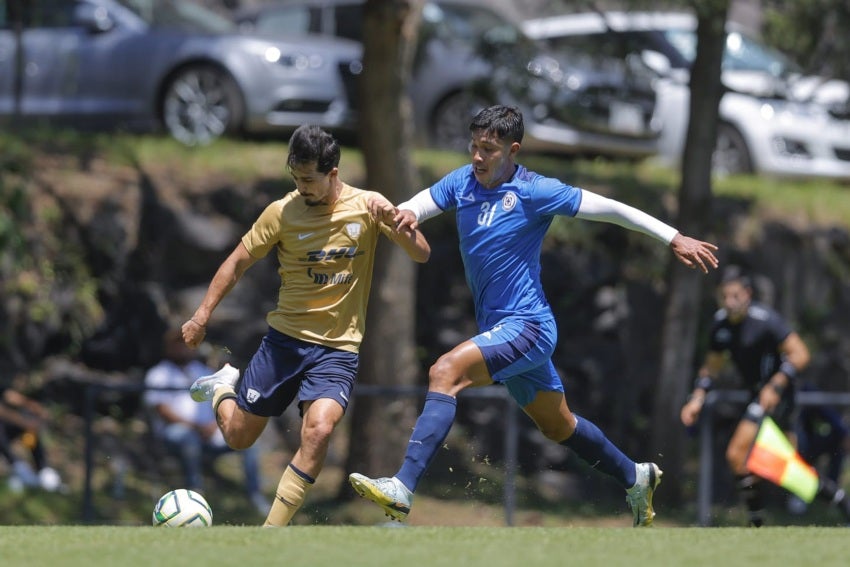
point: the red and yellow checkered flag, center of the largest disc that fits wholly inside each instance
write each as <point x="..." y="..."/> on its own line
<point x="775" y="459"/>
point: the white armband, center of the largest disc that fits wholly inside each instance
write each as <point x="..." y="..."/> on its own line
<point x="595" y="207"/>
<point x="422" y="205"/>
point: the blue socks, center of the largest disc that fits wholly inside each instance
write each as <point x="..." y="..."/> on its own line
<point x="430" y="431"/>
<point x="595" y="449"/>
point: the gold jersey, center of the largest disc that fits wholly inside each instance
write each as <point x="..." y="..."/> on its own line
<point x="326" y="255"/>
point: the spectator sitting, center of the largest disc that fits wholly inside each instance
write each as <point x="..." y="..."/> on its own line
<point x="188" y="429"/>
<point x="23" y="419"/>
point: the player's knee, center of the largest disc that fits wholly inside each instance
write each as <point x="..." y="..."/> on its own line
<point x="443" y="375"/>
<point x="317" y="432"/>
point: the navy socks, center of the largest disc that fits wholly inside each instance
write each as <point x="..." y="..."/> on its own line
<point x="595" y="449"/>
<point x="431" y="429"/>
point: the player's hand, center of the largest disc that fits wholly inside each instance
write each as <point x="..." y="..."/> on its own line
<point x="193" y="333"/>
<point x="694" y="253"/>
<point x="405" y="221"/>
<point x="690" y="412"/>
<point x="381" y="209"/>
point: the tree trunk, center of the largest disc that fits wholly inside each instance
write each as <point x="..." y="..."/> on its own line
<point x="380" y="425"/>
<point x="681" y="317"/>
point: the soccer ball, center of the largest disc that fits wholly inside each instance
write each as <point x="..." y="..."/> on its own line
<point x="182" y="508"/>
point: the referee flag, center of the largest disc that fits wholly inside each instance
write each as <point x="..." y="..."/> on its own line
<point x="775" y="459"/>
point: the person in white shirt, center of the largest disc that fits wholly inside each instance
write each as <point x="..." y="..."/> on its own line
<point x="188" y="429"/>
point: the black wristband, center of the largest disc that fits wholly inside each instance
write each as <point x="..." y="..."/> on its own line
<point x="703" y="383"/>
<point x="788" y="369"/>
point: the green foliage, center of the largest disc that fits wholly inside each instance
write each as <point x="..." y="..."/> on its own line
<point x="45" y="279"/>
<point x="814" y="33"/>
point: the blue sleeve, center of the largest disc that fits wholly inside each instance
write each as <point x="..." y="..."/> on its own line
<point x="445" y="191"/>
<point x="554" y="197"/>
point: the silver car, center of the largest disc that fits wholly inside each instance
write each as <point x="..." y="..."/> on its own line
<point x="774" y="120"/>
<point x="141" y="64"/>
<point x="470" y="55"/>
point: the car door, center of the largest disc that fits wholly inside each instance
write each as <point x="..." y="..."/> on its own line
<point x="48" y="44"/>
<point x="70" y="68"/>
<point x="9" y="73"/>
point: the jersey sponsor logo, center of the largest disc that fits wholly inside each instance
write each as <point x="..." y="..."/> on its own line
<point x="333" y="254"/>
<point x="321" y="278"/>
<point x="509" y="201"/>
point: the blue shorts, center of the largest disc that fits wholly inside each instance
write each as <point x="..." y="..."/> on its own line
<point x="284" y="367"/>
<point x="518" y="353"/>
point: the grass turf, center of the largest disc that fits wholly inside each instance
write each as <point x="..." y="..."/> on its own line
<point x="317" y="546"/>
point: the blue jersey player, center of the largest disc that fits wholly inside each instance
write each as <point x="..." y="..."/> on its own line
<point x="503" y="211"/>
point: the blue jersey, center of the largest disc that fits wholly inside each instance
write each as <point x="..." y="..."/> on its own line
<point x="501" y="233"/>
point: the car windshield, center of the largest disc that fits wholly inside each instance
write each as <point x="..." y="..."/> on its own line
<point x="469" y="25"/>
<point x="180" y="14"/>
<point x="742" y="53"/>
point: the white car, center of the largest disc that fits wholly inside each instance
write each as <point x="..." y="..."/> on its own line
<point x="773" y="119"/>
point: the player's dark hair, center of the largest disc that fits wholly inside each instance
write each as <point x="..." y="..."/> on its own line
<point x="311" y="144"/>
<point x="505" y="122"/>
<point x="736" y="274"/>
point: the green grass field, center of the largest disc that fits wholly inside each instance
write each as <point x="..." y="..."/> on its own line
<point x="317" y="546"/>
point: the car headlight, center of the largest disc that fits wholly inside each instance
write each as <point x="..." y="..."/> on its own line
<point x="773" y="108"/>
<point x="297" y="61"/>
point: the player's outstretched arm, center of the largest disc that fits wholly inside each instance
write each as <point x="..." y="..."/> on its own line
<point x="694" y="253"/>
<point x="225" y="278"/>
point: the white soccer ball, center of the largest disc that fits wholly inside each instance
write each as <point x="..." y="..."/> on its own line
<point x="182" y="508"/>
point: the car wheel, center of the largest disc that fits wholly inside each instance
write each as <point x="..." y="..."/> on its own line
<point x="731" y="155"/>
<point x="450" y="122"/>
<point x="200" y="104"/>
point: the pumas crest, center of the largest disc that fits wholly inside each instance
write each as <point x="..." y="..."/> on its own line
<point x="353" y="229"/>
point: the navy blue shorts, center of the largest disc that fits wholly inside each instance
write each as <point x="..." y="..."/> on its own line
<point x="284" y="367"/>
<point x="518" y="353"/>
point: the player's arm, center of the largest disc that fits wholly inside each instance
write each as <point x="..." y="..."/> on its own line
<point x="408" y="237"/>
<point x="795" y="358"/>
<point x="712" y="366"/>
<point x="691" y="252"/>
<point x="411" y="241"/>
<point x="230" y="271"/>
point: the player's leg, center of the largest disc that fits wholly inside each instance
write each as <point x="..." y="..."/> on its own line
<point x="320" y="419"/>
<point x="549" y="410"/>
<point x="324" y="391"/>
<point x="461" y="367"/>
<point x="748" y="485"/>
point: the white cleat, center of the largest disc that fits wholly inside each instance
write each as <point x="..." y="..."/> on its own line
<point x="639" y="497"/>
<point x="203" y="388"/>
<point x="388" y="493"/>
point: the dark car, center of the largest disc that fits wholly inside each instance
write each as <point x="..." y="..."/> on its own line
<point x="470" y="55"/>
<point x="138" y="64"/>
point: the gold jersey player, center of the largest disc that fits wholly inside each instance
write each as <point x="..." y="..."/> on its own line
<point x="324" y="238"/>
